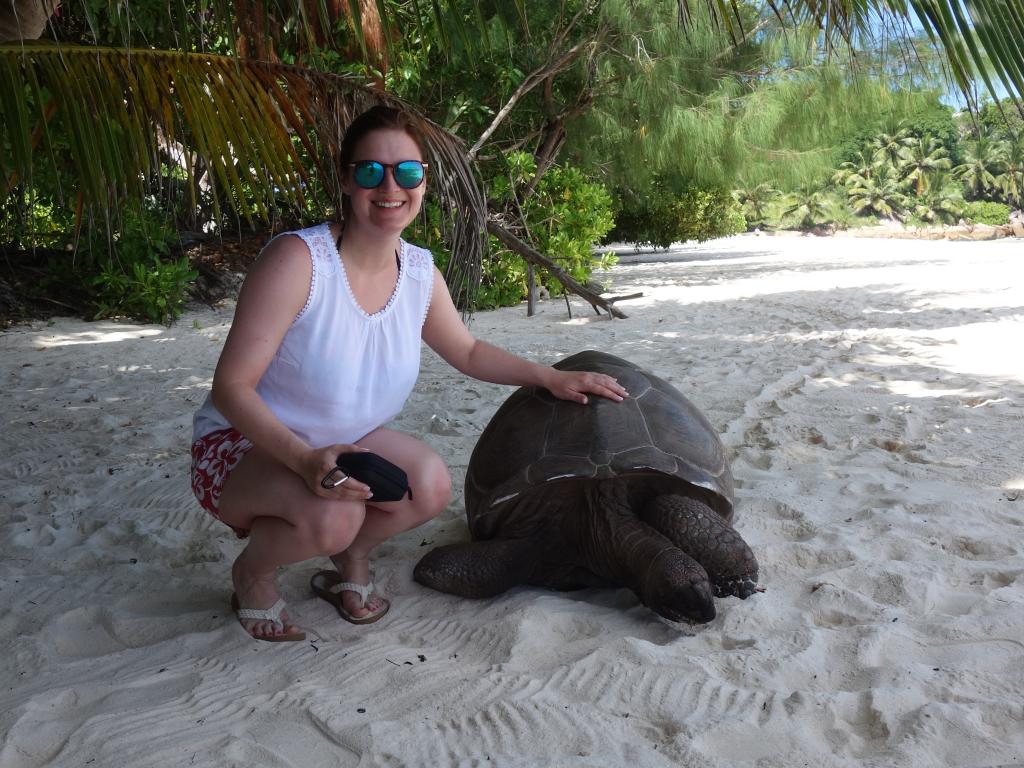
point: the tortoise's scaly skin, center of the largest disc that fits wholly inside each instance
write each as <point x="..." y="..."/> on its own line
<point x="637" y="493"/>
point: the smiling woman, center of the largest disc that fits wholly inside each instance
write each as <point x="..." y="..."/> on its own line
<point x="382" y="166"/>
<point x="324" y="350"/>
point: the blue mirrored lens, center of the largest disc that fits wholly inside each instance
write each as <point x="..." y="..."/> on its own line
<point x="368" y="174"/>
<point x="409" y="174"/>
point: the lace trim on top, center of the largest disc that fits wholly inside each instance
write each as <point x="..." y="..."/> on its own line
<point x="422" y="263"/>
<point x="394" y="294"/>
<point x="318" y="244"/>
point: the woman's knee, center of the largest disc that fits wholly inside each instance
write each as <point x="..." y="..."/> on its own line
<point x="432" y="490"/>
<point x="332" y="527"/>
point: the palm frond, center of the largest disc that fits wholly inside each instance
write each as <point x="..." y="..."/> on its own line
<point x="262" y="129"/>
<point x="981" y="39"/>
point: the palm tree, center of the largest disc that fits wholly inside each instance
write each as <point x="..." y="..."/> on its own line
<point x="864" y="165"/>
<point x="889" y="147"/>
<point x="942" y="201"/>
<point x="256" y="127"/>
<point x="920" y="159"/>
<point x="881" y="194"/>
<point x="1012" y="180"/>
<point x="755" y="202"/>
<point x="984" y="161"/>
<point x="808" y="206"/>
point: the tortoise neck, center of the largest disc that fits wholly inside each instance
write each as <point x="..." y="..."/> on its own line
<point x="608" y="530"/>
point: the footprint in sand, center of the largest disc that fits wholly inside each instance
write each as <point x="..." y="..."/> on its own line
<point x="37" y="457"/>
<point x="93" y="631"/>
<point x="812" y="436"/>
<point x="757" y="437"/>
<point x="978" y="549"/>
<point x="54" y="720"/>
<point x="789" y="522"/>
<point x="33" y="536"/>
<point x="868" y="417"/>
<point x="444" y="425"/>
<point x="861" y="727"/>
<point x="832" y="606"/>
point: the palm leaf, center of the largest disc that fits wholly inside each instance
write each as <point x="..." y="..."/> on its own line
<point x="122" y="109"/>
<point x="980" y="38"/>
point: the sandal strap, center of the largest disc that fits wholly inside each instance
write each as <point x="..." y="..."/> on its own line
<point x="363" y="590"/>
<point x="273" y="613"/>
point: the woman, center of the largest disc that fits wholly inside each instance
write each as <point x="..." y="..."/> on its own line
<point x="323" y="350"/>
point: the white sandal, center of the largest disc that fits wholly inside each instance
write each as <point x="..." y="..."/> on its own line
<point x="273" y="613"/>
<point x="329" y="586"/>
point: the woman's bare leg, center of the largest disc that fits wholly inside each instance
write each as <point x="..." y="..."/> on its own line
<point x="431" y="489"/>
<point x="287" y="522"/>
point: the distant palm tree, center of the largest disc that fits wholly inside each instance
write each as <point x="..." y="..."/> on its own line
<point x="863" y="164"/>
<point x="922" y="158"/>
<point x="889" y="147"/>
<point x="755" y="202"/>
<point x="1012" y="180"/>
<point x="983" y="162"/>
<point x="882" y="194"/>
<point x="942" y="201"/>
<point x="809" y="206"/>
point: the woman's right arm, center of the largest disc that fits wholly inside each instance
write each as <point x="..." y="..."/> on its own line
<point x="274" y="292"/>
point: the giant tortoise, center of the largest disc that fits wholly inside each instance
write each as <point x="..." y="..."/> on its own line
<point x="636" y="494"/>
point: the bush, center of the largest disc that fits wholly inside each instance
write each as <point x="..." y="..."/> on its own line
<point x="566" y="215"/>
<point x="661" y="218"/>
<point x="983" y="212"/>
<point x="134" y="275"/>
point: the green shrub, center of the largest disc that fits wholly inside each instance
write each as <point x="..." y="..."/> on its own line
<point x="39" y="222"/>
<point x="566" y="214"/>
<point x="983" y="212"/>
<point x="136" y="275"/>
<point x="503" y="281"/>
<point x="661" y="218"/>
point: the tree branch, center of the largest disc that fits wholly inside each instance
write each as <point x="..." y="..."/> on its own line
<point x="749" y="34"/>
<point x="533" y="256"/>
<point x="532" y="80"/>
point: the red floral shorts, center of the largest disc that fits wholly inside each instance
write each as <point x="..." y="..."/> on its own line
<point x="213" y="458"/>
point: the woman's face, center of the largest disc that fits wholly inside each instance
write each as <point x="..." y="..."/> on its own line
<point x="388" y="207"/>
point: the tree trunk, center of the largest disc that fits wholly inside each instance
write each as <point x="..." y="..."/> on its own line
<point x="554" y="138"/>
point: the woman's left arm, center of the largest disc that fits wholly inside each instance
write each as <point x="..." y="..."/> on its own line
<point x="447" y="335"/>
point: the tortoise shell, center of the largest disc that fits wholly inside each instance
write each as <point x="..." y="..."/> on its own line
<point x="538" y="444"/>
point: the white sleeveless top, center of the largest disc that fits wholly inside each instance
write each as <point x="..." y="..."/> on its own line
<point x="340" y="373"/>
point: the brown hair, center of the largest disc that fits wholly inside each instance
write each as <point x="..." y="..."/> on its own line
<point x="378" y="118"/>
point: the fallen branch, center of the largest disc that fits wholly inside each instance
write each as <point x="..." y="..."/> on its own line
<point x="535" y="257"/>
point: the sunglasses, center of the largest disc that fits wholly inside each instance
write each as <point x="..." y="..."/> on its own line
<point x="408" y="174"/>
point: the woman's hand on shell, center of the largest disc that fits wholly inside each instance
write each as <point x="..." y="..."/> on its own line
<point x="321" y="463"/>
<point x="576" y="385"/>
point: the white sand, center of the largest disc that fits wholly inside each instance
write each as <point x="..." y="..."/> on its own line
<point x="871" y="394"/>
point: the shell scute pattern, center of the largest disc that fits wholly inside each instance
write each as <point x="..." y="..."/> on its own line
<point x="535" y="440"/>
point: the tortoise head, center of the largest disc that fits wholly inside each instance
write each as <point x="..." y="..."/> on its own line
<point x="680" y="592"/>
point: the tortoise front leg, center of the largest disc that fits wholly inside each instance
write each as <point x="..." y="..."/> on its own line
<point x="617" y="546"/>
<point x="478" y="568"/>
<point x="702" y="533"/>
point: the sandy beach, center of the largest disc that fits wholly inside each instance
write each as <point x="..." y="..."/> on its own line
<point x="870" y="394"/>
